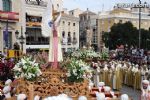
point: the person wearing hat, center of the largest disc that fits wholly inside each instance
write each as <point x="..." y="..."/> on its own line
<point x="106" y="74"/>
<point x="137" y="77"/>
<point x="102" y="74"/>
<point x="117" y="83"/>
<point x="124" y="72"/>
<point x="144" y="89"/>
<point x="129" y="76"/>
<point x="124" y="97"/>
<point x="144" y="72"/>
<point x="110" y="73"/>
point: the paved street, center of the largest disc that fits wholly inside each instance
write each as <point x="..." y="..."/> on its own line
<point x="134" y="94"/>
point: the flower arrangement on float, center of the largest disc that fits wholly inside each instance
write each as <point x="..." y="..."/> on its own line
<point x="104" y="55"/>
<point x="77" y="71"/>
<point x="86" y="54"/>
<point x="92" y="54"/>
<point x="79" y="54"/>
<point x="27" y="68"/>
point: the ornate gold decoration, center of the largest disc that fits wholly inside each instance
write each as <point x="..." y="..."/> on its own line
<point x="51" y="83"/>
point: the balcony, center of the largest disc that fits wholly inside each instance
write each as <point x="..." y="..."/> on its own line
<point x="30" y="40"/>
<point x="36" y="3"/>
<point x="33" y="21"/>
<point x="33" y="24"/>
<point x="11" y="16"/>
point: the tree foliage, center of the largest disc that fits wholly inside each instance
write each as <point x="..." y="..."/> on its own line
<point x="126" y="33"/>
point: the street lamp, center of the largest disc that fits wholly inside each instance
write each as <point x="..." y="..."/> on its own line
<point x="21" y="38"/>
<point x="139" y="24"/>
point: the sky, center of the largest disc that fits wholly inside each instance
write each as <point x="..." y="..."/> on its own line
<point x="96" y="5"/>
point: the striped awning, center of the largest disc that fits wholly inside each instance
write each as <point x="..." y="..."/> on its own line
<point x="14" y="16"/>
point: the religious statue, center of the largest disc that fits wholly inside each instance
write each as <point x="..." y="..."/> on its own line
<point x="50" y="23"/>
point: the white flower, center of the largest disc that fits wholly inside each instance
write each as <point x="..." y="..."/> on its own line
<point x="23" y="61"/>
<point x="36" y="64"/>
<point x="16" y="68"/>
<point x="29" y="75"/>
<point x="39" y="72"/>
<point x="16" y="76"/>
<point x="24" y="67"/>
<point x="22" y="75"/>
<point x="68" y="74"/>
<point x="75" y="72"/>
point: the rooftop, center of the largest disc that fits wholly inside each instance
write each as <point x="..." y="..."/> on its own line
<point x="88" y="12"/>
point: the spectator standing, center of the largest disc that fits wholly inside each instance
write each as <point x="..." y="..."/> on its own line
<point x="1" y="68"/>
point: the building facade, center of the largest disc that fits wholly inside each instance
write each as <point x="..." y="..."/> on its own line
<point x="34" y="38"/>
<point x="75" y="12"/>
<point x="12" y="18"/>
<point x="107" y="19"/>
<point x="69" y="27"/>
<point x="88" y="29"/>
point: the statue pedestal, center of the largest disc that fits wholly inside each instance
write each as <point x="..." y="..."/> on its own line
<point x="51" y="83"/>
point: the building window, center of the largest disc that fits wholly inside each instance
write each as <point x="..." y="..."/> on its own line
<point x="63" y="22"/>
<point x="69" y="38"/>
<point x="74" y="24"/>
<point x="120" y="21"/>
<point x="7" y="5"/>
<point x="88" y="17"/>
<point x="74" y="38"/>
<point x="74" y="33"/>
<point x="63" y="34"/>
<point x="96" y="22"/>
<point x="68" y="23"/>
<point x="84" y="17"/>
<point x="94" y="30"/>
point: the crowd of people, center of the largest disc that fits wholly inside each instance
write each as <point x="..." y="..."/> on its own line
<point x="134" y="55"/>
<point x="116" y="73"/>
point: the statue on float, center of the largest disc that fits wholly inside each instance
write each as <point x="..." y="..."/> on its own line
<point x="50" y="22"/>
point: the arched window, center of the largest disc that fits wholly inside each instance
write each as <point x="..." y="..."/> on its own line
<point x="7" y="5"/>
<point x="63" y="34"/>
